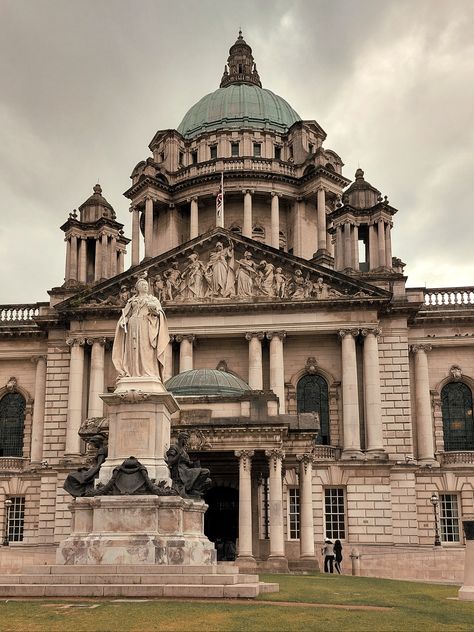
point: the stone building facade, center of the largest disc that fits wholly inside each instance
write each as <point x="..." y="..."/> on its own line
<point x="327" y="398"/>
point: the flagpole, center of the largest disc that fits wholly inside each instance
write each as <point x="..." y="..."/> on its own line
<point x="220" y="204"/>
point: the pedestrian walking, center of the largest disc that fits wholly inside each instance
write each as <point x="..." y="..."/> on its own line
<point x="338" y="555"/>
<point x="328" y="552"/>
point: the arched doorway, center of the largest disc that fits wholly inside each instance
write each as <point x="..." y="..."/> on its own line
<point x="221" y="520"/>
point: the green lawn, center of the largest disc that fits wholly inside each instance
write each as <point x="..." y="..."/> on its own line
<point x="406" y="606"/>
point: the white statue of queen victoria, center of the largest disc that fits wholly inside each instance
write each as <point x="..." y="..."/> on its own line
<point x="141" y="336"/>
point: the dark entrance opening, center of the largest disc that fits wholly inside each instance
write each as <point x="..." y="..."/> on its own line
<point x="221" y="520"/>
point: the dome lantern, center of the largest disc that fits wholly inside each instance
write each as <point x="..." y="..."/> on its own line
<point x="241" y="67"/>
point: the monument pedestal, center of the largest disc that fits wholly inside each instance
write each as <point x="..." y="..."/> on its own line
<point x="466" y="592"/>
<point x="163" y="530"/>
<point x="139" y="412"/>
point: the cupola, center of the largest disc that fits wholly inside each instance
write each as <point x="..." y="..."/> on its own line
<point x="240" y="67"/>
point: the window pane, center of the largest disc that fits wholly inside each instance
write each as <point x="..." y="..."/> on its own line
<point x="458" y="422"/>
<point x="294" y="513"/>
<point x="257" y="150"/>
<point x="449" y="518"/>
<point x="312" y="396"/>
<point x="16" y="519"/>
<point x="12" y="419"/>
<point x="335" y="513"/>
<point x="234" y="149"/>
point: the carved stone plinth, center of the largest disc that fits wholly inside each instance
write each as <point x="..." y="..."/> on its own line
<point x="139" y="426"/>
<point x="137" y="530"/>
<point x="466" y="592"/>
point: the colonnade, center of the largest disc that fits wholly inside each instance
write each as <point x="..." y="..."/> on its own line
<point x="108" y="257"/>
<point x="322" y="240"/>
<point x="379" y="244"/>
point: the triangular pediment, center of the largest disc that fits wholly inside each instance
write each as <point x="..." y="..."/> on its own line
<point x="222" y="267"/>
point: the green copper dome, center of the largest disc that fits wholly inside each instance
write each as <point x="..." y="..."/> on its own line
<point x="206" y="382"/>
<point x="238" y="105"/>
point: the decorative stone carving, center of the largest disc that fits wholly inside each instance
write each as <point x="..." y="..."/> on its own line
<point x="11" y="385"/>
<point x="456" y="373"/>
<point x="273" y="456"/>
<point x="420" y="347"/>
<point x="246" y="276"/>
<point x="141" y="336"/>
<point x="306" y="459"/>
<point x="131" y="479"/>
<point x="193" y="279"/>
<point x="81" y="482"/>
<point x="311" y="365"/>
<point x="374" y="330"/>
<point x="172" y="282"/>
<point x="245" y="457"/>
<point x="189" y="479"/>
<point x="94" y="426"/>
<point x="220" y="272"/>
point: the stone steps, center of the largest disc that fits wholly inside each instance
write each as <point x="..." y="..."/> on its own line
<point x="151" y="581"/>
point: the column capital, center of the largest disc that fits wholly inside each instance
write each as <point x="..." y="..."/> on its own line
<point x="420" y="347"/>
<point x="36" y="358"/>
<point x="305" y="459"/>
<point x="342" y="333"/>
<point x="193" y="198"/>
<point x="245" y="458"/>
<point x="276" y="334"/>
<point x="274" y="455"/>
<point x="189" y="337"/>
<point x="376" y="331"/>
<point x="102" y="340"/>
<point x="275" y="193"/>
<point x="254" y="334"/>
<point x="249" y="191"/>
<point x="75" y="341"/>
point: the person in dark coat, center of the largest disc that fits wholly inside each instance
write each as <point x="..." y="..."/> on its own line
<point x="338" y="555"/>
<point x="328" y="552"/>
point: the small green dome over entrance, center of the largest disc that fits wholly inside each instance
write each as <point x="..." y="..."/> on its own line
<point x="206" y="382"/>
<point x="237" y="106"/>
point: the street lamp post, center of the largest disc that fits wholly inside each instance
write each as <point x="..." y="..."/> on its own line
<point x="434" y="500"/>
<point x="8" y="504"/>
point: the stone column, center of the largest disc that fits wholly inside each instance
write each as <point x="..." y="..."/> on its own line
<point x="135" y="235"/>
<point x="105" y="258"/>
<point x="424" y="423"/>
<point x="306" y="506"/>
<point x="73" y="266"/>
<point x="68" y="259"/>
<point x="96" y="379"/>
<point x="148" y="227"/>
<point x="255" y="360"/>
<point x="38" y="410"/>
<point x="121" y="261"/>
<point x="321" y="219"/>
<point x="381" y="240"/>
<point x="113" y="256"/>
<point x="373" y="248"/>
<point x="247" y="224"/>
<point x="355" y="247"/>
<point x="298" y="213"/>
<point x="186" y="352"/>
<point x="347" y="245"/>
<point x="168" y="373"/>
<point x="97" y="260"/>
<point x="74" y="407"/>
<point x="277" y="557"/>
<point x="275" y="221"/>
<point x="194" y="219"/>
<point x="82" y="259"/>
<point x="388" y="245"/>
<point x="466" y="592"/>
<point x="277" y="367"/>
<point x="339" y="248"/>
<point x="350" y="394"/>
<point x="372" y="398"/>
<point x="245" y="552"/>
<point x="329" y="244"/>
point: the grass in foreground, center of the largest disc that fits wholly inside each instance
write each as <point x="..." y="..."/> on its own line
<point x="414" y="606"/>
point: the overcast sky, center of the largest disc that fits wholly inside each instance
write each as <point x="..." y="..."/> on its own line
<point x="85" y="84"/>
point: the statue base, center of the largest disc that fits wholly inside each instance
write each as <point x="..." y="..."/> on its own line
<point x="139" y="413"/>
<point x="164" y="530"/>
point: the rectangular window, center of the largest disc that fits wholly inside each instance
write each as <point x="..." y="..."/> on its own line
<point x="294" y="513"/>
<point x="449" y="518"/>
<point x="278" y="153"/>
<point x="15" y="519"/>
<point x="213" y="149"/>
<point x="257" y="150"/>
<point x="181" y="157"/>
<point x="290" y="151"/>
<point x="194" y="157"/>
<point x="234" y="149"/>
<point x="334" y="510"/>
<point x="310" y="148"/>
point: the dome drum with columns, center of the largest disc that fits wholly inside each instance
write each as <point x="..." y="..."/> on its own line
<point x="327" y="398"/>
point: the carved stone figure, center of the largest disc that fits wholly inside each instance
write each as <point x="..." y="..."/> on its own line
<point x="159" y="288"/>
<point x="193" y="280"/>
<point x="220" y="273"/>
<point x="280" y="283"/>
<point x="81" y="482"/>
<point x="320" y="289"/>
<point x="172" y="282"/>
<point x="131" y="479"/>
<point x="268" y="277"/>
<point x="246" y="275"/>
<point x="298" y="285"/>
<point x="141" y="336"/>
<point x="189" y="479"/>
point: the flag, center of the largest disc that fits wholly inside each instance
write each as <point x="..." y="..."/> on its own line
<point x="220" y="203"/>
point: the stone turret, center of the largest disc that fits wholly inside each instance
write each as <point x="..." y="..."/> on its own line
<point x="241" y="67"/>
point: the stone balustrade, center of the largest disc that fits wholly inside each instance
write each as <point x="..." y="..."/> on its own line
<point x="19" y="312"/>
<point x="235" y="164"/>
<point x="458" y="457"/>
<point x="326" y="453"/>
<point x="439" y="297"/>
<point x="12" y="464"/>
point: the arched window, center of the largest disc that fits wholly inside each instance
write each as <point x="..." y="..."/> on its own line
<point x="258" y="233"/>
<point x="458" y="424"/>
<point x="312" y="397"/>
<point x="12" y="421"/>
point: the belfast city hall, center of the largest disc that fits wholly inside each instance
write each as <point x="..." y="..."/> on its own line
<point x="327" y="397"/>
